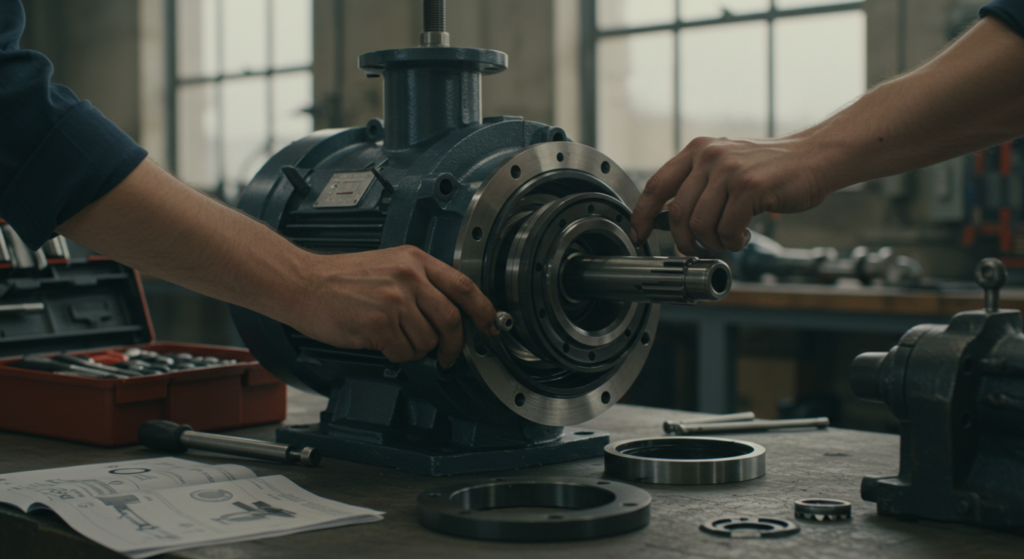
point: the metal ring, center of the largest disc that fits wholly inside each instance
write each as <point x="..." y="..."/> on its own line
<point x="506" y="509"/>
<point x="750" y="527"/>
<point x="823" y="510"/>
<point x="684" y="460"/>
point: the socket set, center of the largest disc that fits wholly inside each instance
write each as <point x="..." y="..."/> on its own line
<point x="132" y="362"/>
<point x="79" y="360"/>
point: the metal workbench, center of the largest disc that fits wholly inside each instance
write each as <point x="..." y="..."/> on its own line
<point x="813" y="463"/>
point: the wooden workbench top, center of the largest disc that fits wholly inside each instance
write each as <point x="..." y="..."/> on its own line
<point x="867" y="300"/>
<point x="800" y="464"/>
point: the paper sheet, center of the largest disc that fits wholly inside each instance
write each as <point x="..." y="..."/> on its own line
<point x="148" y="523"/>
<point x="29" y="490"/>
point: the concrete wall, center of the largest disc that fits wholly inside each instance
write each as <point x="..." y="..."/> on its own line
<point x="94" y="47"/>
<point x="523" y="29"/>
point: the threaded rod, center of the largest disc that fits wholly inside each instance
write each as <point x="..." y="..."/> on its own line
<point x="433" y="15"/>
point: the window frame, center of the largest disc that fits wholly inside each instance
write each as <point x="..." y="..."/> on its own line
<point x="174" y="82"/>
<point x="590" y="34"/>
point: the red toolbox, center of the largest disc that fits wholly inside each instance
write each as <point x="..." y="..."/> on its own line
<point x="72" y="301"/>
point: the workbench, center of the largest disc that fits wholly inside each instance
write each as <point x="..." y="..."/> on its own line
<point x="800" y="464"/>
<point x="810" y="308"/>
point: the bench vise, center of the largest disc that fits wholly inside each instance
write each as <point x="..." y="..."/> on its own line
<point x="958" y="391"/>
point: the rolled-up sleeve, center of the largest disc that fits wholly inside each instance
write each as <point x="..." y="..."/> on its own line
<point x="1010" y="12"/>
<point x="58" y="153"/>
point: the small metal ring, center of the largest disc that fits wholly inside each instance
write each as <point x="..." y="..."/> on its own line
<point x="684" y="460"/>
<point x="507" y="509"/>
<point x="823" y="510"/>
<point x="750" y="527"/>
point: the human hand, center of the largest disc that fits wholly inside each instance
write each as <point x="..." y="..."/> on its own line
<point x="399" y="301"/>
<point x="716" y="186"/>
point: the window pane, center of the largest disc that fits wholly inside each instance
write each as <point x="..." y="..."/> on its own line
<point x="634" y="100"/>
<point x="698" y="10"/>
<point x="725" y="80"/>
<point x="797" y="4"/>
<point x="820" y="65"/>
<point x="197" y="136"/>
<point x="245" y="130"/>
<point x="293" y="32"/>
<point x="196" y="38"/>
<point x="245" y="36"/>
<point x="293" y="93"/>
<point x="613" y="14"/>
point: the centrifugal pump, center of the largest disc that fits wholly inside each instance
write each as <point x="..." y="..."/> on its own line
<point x="538" y="222"/>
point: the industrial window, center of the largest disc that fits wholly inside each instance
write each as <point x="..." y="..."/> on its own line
<point x="241" y="85"/>
<point x="662" y="72"/>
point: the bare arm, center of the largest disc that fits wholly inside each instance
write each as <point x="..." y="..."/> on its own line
<point x="398" y="301"/>
<point x="968" y="97"/>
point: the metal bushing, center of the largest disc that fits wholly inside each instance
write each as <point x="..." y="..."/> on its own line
<point x="823" y="510"/>
<point x="684" y="460"/>
<point x="750" y="527"/>
<point x="534" y="509"/>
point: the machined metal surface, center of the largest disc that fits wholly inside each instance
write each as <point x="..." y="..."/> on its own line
<point x="250" y="447"/>
<point x="647" y="280"/>
<point x="750" y="527"/>
<point x="822" y="510"/>
<point x="535" y="509"/>
<point x="684" y="460"/>
<point x="676" y="428"/>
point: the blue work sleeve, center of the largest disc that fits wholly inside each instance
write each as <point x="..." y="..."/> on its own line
<point x="1010" y="12"/>
<point x="58" y="153"/>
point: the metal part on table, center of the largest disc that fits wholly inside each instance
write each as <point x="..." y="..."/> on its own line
<point x="750" y="527"/>
<point x="822" y="510"/>
<point x="510" y="203"/>
<point x="513" y="509"/>
<point x="742" y="426"/>
<point x="763" y="255"/>
<point x="719" y="418"/>
<point x="171" y="437"/>
<point x="684" y="460"/>
<point x="958" y="392"/>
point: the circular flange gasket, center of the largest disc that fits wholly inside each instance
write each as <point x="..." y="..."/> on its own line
<point x="535" y="509"/>
<point x="823" y="510"/>
<point x="750" y="527"/>
<point x="684" y="460"/>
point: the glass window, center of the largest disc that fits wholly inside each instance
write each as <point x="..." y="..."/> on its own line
<point x="243" y="87"/>
<point x="738" y="68"/>
<point x="634" y="99"/>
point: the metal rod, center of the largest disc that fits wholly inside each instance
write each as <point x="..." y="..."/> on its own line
<point x="670" y="426"/>
<point x="738" y="426"/>
<point x="673" y="281"/>
<point x="249" y="447"/>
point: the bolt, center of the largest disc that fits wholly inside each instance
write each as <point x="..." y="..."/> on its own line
<point x="504" y="321"/>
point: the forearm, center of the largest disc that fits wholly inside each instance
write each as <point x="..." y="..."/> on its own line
<point x="969" y="97"/>
<point x="161" y="227"/>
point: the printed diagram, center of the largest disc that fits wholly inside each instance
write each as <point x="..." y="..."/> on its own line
<point x="258" y="511"/>
<point x="211" y="495"/>
<point x="120" y="504"/>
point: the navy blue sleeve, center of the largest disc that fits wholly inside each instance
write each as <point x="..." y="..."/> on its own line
<point x="1010" y="12"/>
<point x="58" y="154"/>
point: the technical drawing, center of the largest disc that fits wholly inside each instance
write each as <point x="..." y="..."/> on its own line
<point x="258" y="511"/>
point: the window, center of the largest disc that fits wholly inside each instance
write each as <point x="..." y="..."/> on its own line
<point x="241" y="87"/>
<point x="666" y="71"/>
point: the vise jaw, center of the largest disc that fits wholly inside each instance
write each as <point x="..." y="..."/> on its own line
<point x="958" y="391"/>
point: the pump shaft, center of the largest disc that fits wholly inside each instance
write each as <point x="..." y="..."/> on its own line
<point x="671" y="281"/>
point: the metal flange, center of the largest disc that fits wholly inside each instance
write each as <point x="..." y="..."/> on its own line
<point x="684" y="460"/>
<point x="511" y="509"/>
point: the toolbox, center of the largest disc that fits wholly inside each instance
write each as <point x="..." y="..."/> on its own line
<point x="66" y="299"/>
